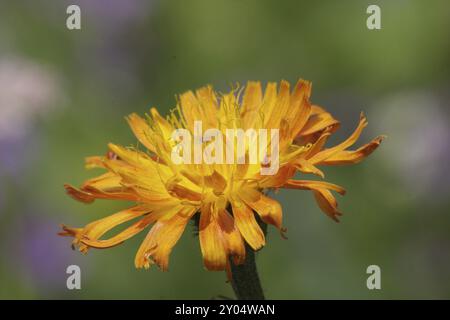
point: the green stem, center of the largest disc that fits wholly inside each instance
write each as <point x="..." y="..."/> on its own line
<point x="245" y="279"/>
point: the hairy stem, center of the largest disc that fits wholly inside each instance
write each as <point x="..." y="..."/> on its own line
<point x="245" y="279"/>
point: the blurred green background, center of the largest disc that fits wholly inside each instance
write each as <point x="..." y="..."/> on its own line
<point x="64" y="95"/>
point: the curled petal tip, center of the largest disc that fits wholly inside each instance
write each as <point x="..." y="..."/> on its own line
<point x="283" y="232"/>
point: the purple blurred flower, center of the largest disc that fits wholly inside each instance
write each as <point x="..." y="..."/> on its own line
<point x="113" y="14"/>
<point x="110" y="49"/>
<point x="37" y="252"/>
<point x="27" y="91"/>
<point x="418" y="128"/>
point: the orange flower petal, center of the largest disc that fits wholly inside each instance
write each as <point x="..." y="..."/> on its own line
<point x="281" y="106"/>
<point x="211" y="241"/>
<point x="277" y="180"/>
<point x="191" y="109"/>
<point x="247" y="225"/>
<point x="318" y="121"/>
<point x="140" y="178"/>
<point x="268" y="209"/>
<point x="94" y="162"/>
<point x="208" y="100"/>
<point x="162" y="237"/>
<point x="269" y="101"/>
<point x="234" y="243"/>
<point x="323" y="196"/>
<point x="78" y="194"/>
<point x="216" y="181"/>
<point x="106" y="186"/>
<point x="141" y="130"/>
<point x="327" y="203"/>
<point x="326" y="153"/>
<point x="69" y="232"/>
<point x="306" y="167"/>
<point x="96" y="229"/>
<point x="353" y="157"/>
<point x="301" y="107"/>
<point x="107" y="182"/>
<point x="122" y="236"/>
<point x="318" y="145"/>
<point x="251" y="103"/>
<point x="312" y="185"/>
<point x="182" y="192"/>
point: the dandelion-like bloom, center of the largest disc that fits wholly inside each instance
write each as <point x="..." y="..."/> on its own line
<point x="227" y="197"/>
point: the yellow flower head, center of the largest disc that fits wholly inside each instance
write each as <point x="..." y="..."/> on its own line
<point x="228" y="197"/>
